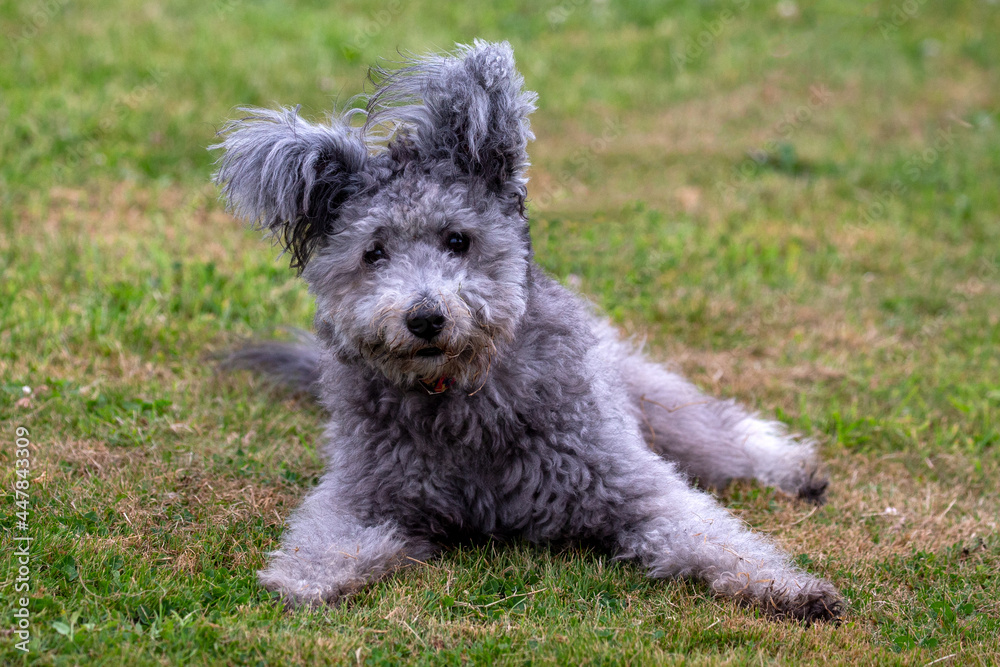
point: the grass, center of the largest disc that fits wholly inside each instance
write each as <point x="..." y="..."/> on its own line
<point x="796" y="204"/>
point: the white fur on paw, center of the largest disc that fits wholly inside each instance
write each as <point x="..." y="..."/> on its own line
<point x="781" y="461"/>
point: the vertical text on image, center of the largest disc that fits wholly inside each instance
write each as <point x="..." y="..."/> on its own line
<point x="22" y="540"/>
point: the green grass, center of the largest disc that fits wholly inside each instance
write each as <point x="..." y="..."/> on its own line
<point x="798" y="210"/>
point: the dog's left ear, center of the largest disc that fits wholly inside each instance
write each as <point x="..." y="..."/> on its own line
<point x="468" y="108"/>
<point x="290" y="177"/>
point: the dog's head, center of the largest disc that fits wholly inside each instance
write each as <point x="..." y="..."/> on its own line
<point x="410" y="228"/>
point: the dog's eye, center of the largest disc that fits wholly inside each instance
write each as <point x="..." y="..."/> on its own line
<point x="458" y="242"/>
<point x="375" y="254"/>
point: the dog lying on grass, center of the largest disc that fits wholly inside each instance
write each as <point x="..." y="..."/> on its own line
<point x="468" y="392"/>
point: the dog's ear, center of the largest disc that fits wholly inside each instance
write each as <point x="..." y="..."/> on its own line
<point x="468" y="108"/>
<point x="290" y="177"/>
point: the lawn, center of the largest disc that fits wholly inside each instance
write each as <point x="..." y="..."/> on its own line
<point x="796" y="204"/>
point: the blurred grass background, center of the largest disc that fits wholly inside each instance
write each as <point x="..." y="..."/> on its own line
<point x="794" y="203"/>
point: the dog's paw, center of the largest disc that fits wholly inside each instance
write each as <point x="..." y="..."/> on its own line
<point x="818" y="600"/>
<point x="813" y="488"/>
<point x="787" y="594"/>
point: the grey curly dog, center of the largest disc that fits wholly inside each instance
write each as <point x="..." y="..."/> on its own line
<point x="468" y="392"/>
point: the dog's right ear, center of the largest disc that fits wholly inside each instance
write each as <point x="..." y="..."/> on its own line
<point x="290" y="177"/>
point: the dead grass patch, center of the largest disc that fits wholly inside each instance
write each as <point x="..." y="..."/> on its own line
<point x="88" y="458"/>
<point x="878" y="508"/>
<point x="123" y="218"/>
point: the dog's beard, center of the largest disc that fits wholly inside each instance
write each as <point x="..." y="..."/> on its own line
<point x="467" y="365"/>
<point x="463" y="353"/>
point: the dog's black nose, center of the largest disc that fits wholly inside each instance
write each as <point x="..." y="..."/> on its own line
<point x="426" y="324"/>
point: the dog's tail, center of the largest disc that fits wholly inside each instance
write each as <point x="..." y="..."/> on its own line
<point x="294" y="364"/>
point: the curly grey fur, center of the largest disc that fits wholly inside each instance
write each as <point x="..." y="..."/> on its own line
<point x="525" y="414"/>
<point x="468" y="110"/>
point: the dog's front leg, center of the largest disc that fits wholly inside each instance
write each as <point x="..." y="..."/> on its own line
<point x="328" y="552"/>
<point x="681" y="531"/>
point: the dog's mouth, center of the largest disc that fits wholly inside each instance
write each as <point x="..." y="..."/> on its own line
<point x="429" y="352"/>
